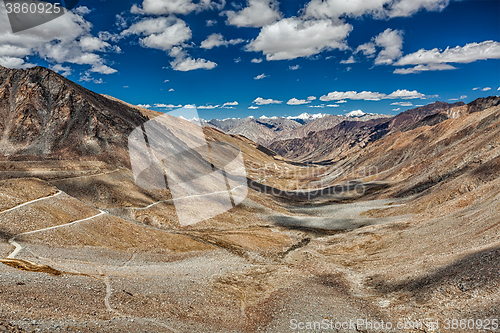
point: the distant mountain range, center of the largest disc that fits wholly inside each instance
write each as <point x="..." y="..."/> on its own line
<point x="332" y="143"/>
<point x="266" y="130"/>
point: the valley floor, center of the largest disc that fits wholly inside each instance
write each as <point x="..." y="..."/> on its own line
<point x="80" y="254"/>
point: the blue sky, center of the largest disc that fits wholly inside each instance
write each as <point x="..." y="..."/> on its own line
<point x="268" y="57"/>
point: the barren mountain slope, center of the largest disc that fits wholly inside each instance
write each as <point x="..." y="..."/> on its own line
<point x="44" y="115"/>
<point x="349" y="137"/>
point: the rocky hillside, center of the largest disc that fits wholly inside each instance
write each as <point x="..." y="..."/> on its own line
<point x="348" y="136"/>
<point x="266" y="130"/>
<point x="46" y="116"/>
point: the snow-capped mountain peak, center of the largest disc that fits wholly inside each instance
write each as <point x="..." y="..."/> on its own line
<point x="307" y="116"/>
<point x="355" y="113"/>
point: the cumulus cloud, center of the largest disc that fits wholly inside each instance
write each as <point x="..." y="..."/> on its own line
<point x="391" y="42"/>
<point x="476" y="88"/>
<point x="364" y="95"/>
<point x="167" y="106"/>
<point x="63" y="70"/>
<point x="295" y="101"/>
<point x="333" y="105"/>
<point x="311" y="98"/>
<point x="402" y="103"/>
<point x="208" y="107"/>
<point x="262" y="101"/>
<point x="334" y="9"/>
<point x="371" y="96"/>
<point x="316" y="106"/>
<point x="423" y="68"/>
<point x="437" y="59"/>
<point x="258" y="13"/>
<point x="341" y="101"/>
<point x="253" y="107"/>
<point x="261" y="76"/>
<point x="65" y="40"/>
<point x="256" y="61"/>
<point x="171" y="89"/>
<point x="293" y="37"/>
<point x="293" y="68"/>
<point x="211" y="23"/>
<point x="397" y="109"/>
<point x="487" y="88"/>
<point x="147" y="106"/>
<point x="182" y="62"/>
<point x="183" y="7"/>
<point x="230" y="104"/>
<point x="351" y="60"/>
<point x="216" y="40"/>
<point x="162" y="33"/>
<point x="368" y="49"/>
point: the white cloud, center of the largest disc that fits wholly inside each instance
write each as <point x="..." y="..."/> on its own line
<point x="160" y="33"/>
<point x="364" y="95"/>
<point x="230" y="104"/>
<point x="256" y="61"/>
<point x="370" y="96"/>
<point x="334" y="9"/>
<point x="166" y="81"/>
<point x="237" y="60"/>
<point x="368" y="49"/>
<point x="316" y="106"/>
<point x="262" y="101"/>
<point x="405" y="94"/>
<point x="216" y="40"/>
<point x="261" y="76"/>
<point x="184" y="63"/>
<point x="147" y="106"/>
<point x="487" y="88"/>
<point x="469" y="53"/>
<point x="295" y="101"/>
<point x="167" y="106"/>
<point x="424" y="68"/>
<point x="294" y="67"/>
<point x="13" y="62"/>
<point x="103" y="69"/>
<point x="402" y="103"/>
<point x="211" y="23"/>
<point x="341" y="101"/>
<point x="391" y="42"/>
<point x="465" y="96"/>
<point x="311" y="98"/>
<point x="258" y="13"/>
<point x="292" y="38"/>
<point x="208" y="107"/>
<point x="171" y="89"/>
<point x="183" y="7"/>
<point x="476" y="88"/>
<point x="351" y="60"/>
<point x="333" y="105"/>
<point x="404" y="8"/>
<point x="253" y="107"/>
<point x="65" y="40"/>
<point x="88" y="78"/>
<point x="81" y="10"/>
<point x="397" y="109"/>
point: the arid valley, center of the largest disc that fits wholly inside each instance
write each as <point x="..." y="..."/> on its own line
<point x="410" y="232"/>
